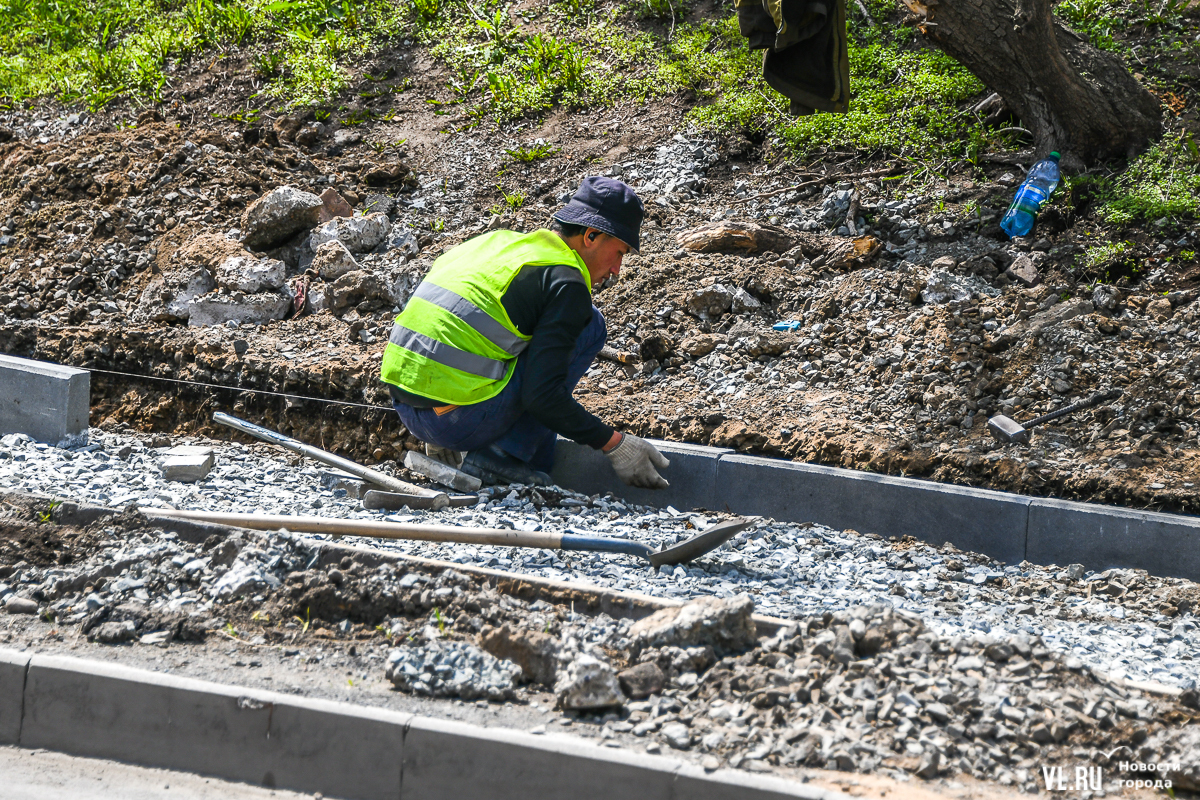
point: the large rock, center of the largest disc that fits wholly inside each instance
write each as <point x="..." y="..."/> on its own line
<point x="332" y="260"/>
<point x="386" y="287"/>
<point x="249" y="309"/>
<point x="278" y="215"/>
<point x="642" y="680"/>
<point x="944" y="287"/>
<point x="187" y="262"/>
<point x="245" y="273"/>
<point x="588" y="683"/>
<point x="710" y="302"/>
<point x="723" y="623"/>
<point x="536" y="653"/>
<point x="358" y="234"/>
<point x="728" y="236"/>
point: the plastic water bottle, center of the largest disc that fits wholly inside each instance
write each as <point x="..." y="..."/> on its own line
<point x="1039" y="184"/>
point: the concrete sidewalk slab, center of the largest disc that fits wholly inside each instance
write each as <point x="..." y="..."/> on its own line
<point x="13" y="666"/>
<point x="1100" y="537"/>
<point x="971" y="519"/>
<point x="692" y="474"/>
<point x="104" y="710"/>
<point x="48" y="402"/>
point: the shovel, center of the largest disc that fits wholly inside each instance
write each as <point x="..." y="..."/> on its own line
<point x="681" y="553"/>
<point x="1008" y="430"/>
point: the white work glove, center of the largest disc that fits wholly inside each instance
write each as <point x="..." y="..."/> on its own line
<point x="635" y="460"/>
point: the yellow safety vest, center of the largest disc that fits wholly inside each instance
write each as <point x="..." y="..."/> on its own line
<point x="454" y="342"/>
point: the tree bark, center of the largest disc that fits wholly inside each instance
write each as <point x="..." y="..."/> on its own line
<point x="1074" y="98"/>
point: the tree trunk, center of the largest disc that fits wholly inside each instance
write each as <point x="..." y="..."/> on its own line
<point x="1072" y="97"/>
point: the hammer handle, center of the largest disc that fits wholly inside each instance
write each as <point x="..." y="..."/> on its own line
<point x="1094" y="400"/>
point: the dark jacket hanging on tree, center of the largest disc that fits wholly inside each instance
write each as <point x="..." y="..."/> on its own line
<point x="806" y="59"/>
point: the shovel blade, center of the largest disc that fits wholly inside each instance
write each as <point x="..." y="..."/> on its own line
<point x="701" y="543"/>
<point x="1007" y="430"/>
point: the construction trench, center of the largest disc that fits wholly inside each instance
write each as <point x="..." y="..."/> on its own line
<point x="867" y="633"/>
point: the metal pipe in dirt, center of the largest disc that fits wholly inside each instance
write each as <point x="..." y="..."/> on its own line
<point x="423" y="498"/>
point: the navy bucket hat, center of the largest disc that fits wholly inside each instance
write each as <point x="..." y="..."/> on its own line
<point x="608" y="205"/>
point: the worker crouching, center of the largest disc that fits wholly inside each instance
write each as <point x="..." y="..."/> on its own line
<point x="483" y="361"/>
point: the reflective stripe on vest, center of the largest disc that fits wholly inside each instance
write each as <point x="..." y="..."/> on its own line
<point x="448" y="355"/>
<point x="454" y="342"/>
<point x="471" y="314"/>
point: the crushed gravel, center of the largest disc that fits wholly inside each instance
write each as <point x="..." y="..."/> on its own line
<point x="1123" y="622"/>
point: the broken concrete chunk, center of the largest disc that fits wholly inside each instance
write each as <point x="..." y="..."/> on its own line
<point x="250" y="309"/>
<point x="113" y="632"/>
<point x="278" y="215"/>
<point x="1024" y="270"/>
<point x="358" y="234"/>
<point x="710" y="302"/>
<point x="536" y="653"/>
<point x="452" y="669"/>
<point x="721" y="622"/>
<point x="587" y="683"/>
<point x="332" y="260"/>
<point x="245" y="273"/>
<point x="441" y="473"/>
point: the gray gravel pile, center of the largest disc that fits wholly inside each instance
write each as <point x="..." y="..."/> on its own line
<point x="872" y="687"/>
<point x="452" y="669"/>
<point x="1125" y="623"/>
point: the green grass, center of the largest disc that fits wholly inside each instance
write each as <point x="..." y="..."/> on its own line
<point x="1162" y="182"/>
<point x="92" y="51"/>
<point x="533" y="152"/>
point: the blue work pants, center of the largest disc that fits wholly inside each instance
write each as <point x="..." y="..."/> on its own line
<point x="503" y="420"/>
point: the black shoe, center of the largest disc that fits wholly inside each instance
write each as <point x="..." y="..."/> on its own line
<point x="495" y="467"/>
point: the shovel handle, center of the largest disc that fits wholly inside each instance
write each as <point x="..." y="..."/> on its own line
<point x="1094" y="400"/>
<point x="501" y="537"/>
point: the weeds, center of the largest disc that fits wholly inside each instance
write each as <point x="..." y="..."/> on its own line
<point x="533" y="152"/>
<point x="1162" y="182"/>
<point x="1101" y="258"/>
<point x="48" y="514"/>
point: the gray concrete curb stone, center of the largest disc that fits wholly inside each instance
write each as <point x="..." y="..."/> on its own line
<point x="1065" y="532"/>
<point x="971" y="519"/>
<point x="692" y="474"/>
<point x="47" y="401"/>
<point x="1006" y="526"/>
<point x="104" y="710"/>
<point x="13" y="666"/>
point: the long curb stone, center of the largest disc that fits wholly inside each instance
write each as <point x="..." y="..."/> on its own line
<point x="1007" y="526"/>
<point x="103" y="710"/>
<point x="1162" y="544"/>
<point x="692" y="474"/>
<point x="977" y="520"/>
<point x="13" y="668"/>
